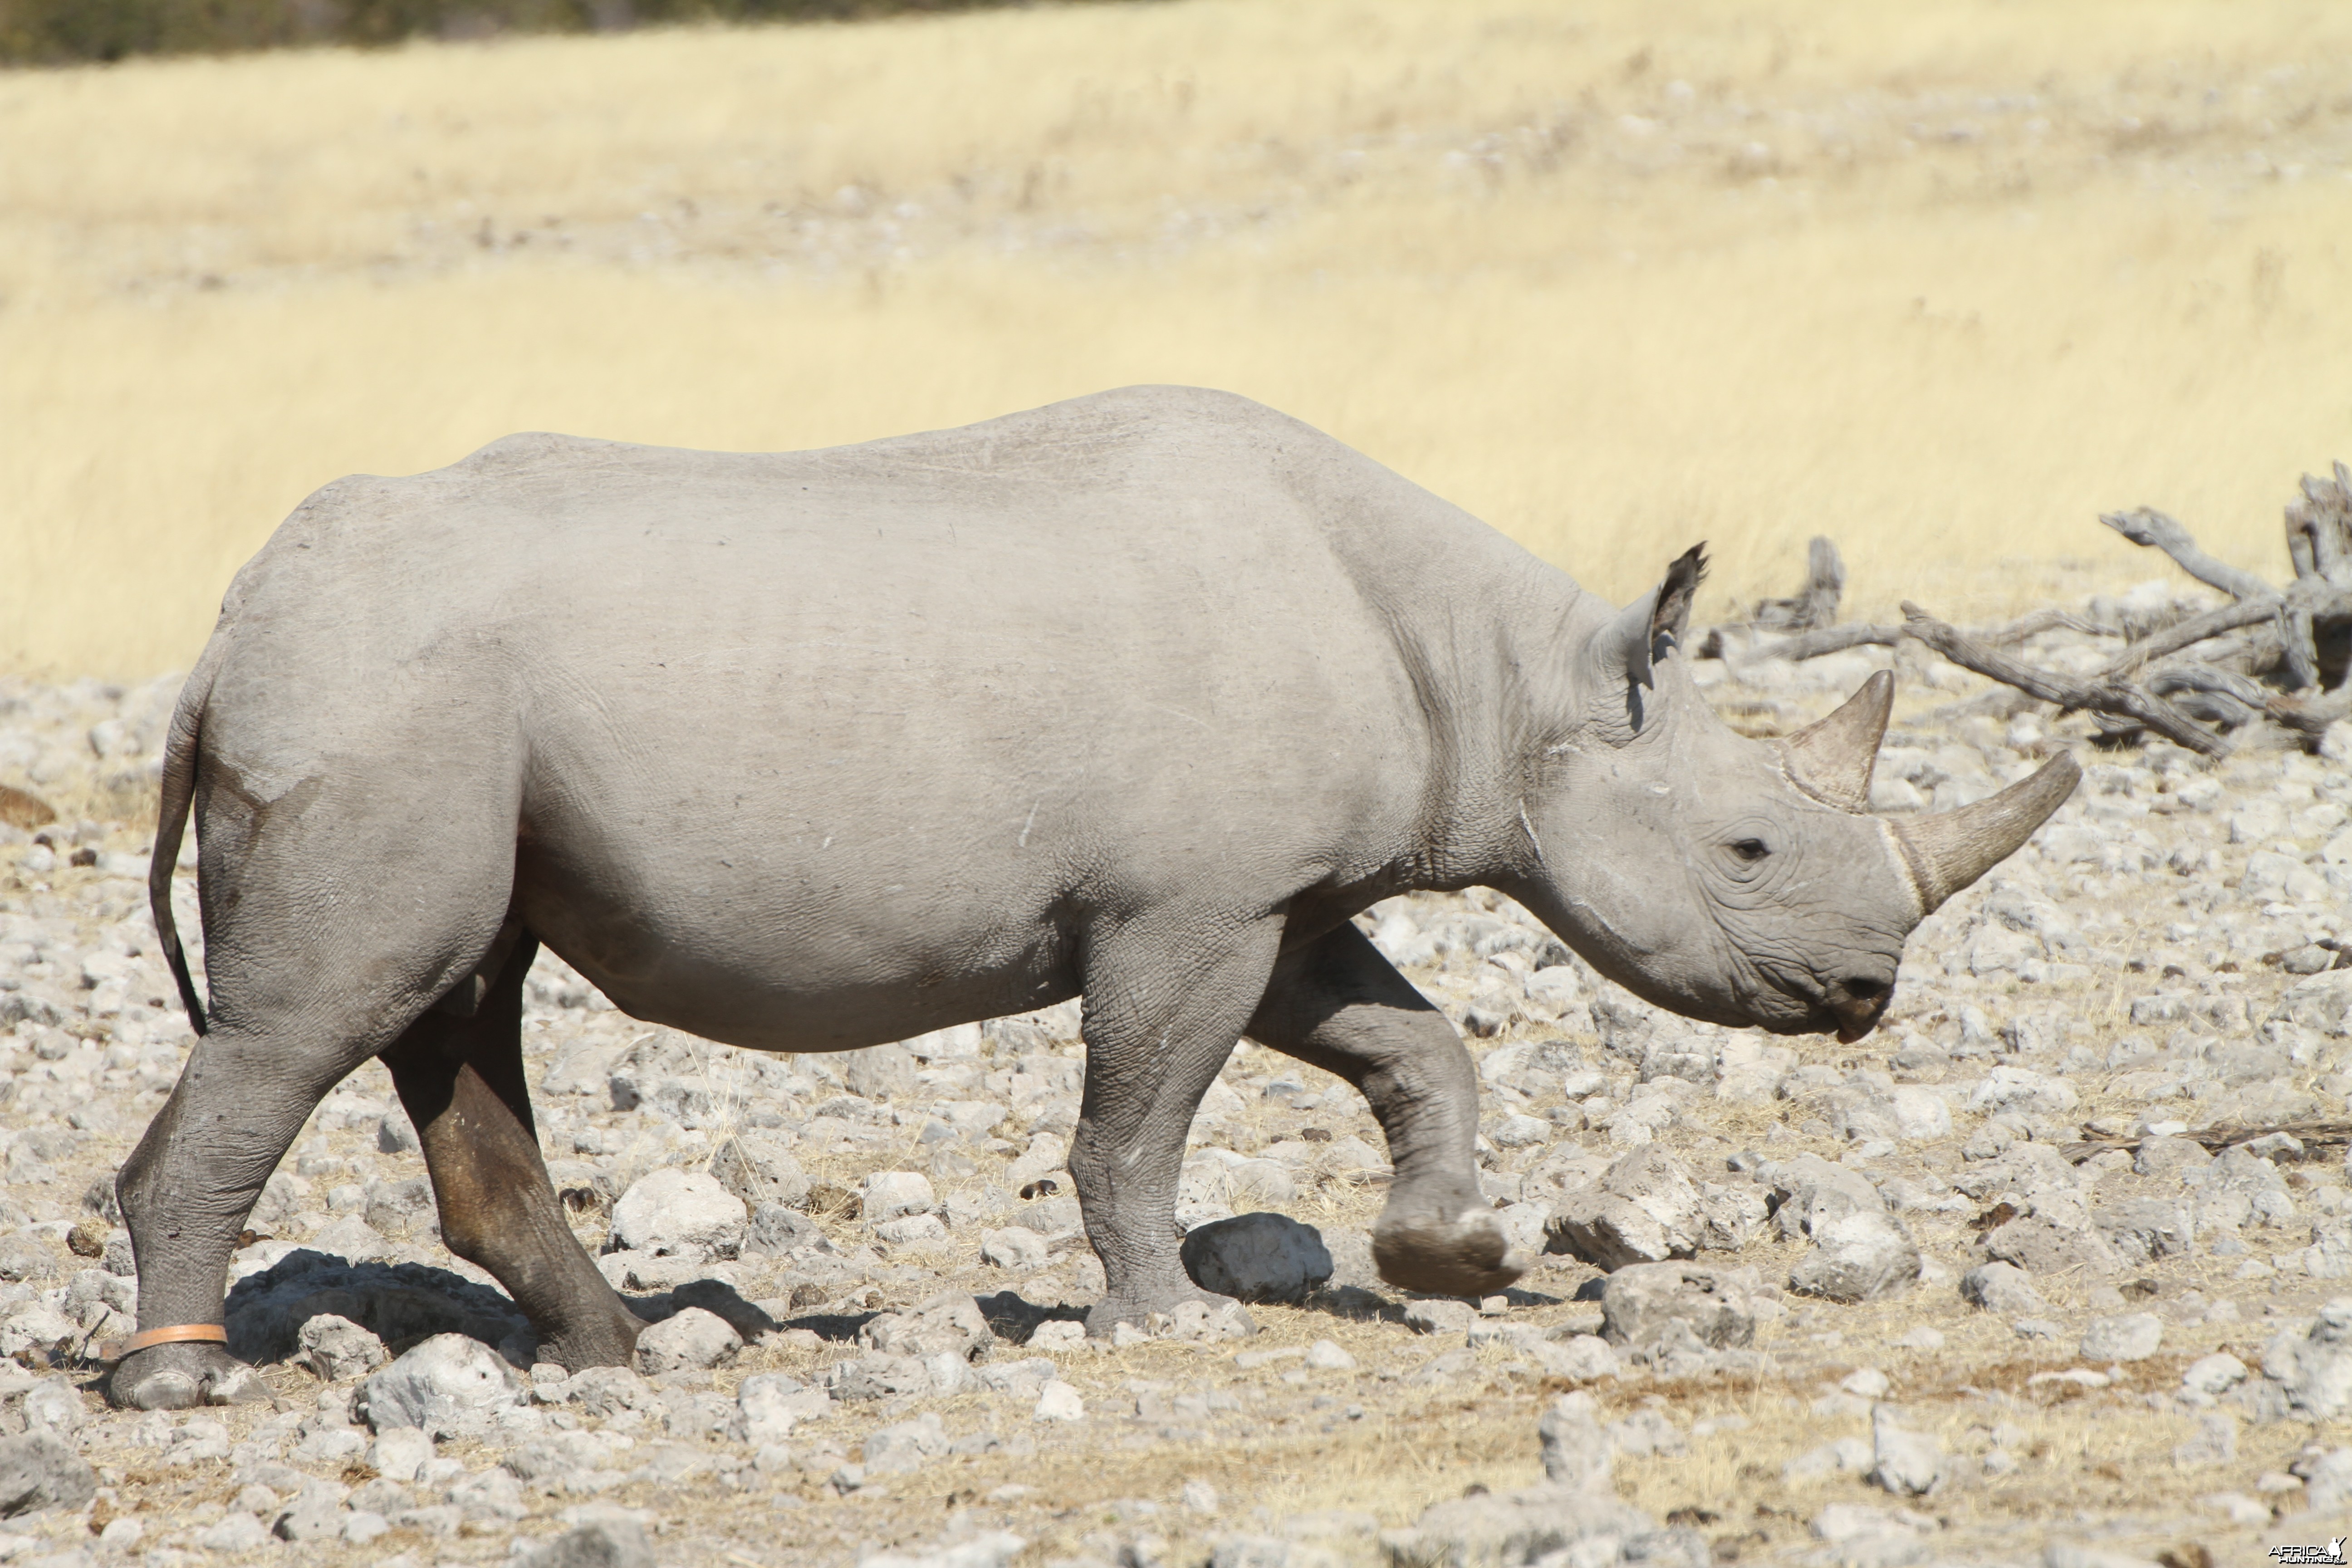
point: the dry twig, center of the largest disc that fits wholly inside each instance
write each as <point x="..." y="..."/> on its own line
<point x="2213" y="1139"/>
<point x="2117" y="697"/>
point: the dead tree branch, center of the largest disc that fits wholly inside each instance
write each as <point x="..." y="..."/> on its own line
<point x="2147" y="526"/>
<point x="1860" y="634"/>
<point x="1815" y="603"/>
<point x="2310" y="715"/>
<point x="2216" y="1139"/>
<point x="2319" y="530"/>
<point x="2115" y="697"/>
<point x="2315" y="607"/>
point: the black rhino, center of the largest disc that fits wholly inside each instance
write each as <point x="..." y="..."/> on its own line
<point x="1140" y="696"/>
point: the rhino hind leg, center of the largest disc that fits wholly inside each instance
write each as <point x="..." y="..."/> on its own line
<point x="1338" y="1004"/>
<point x="186" y="1189"/>
<point x="334" y="914"/>
<point x="1165" y="1004"/>
<point x="460" y="1078"/>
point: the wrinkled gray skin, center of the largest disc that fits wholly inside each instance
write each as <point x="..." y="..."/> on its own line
<point x="1139" y="696"/>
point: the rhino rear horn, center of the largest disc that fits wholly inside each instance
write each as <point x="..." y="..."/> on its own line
<point x="1948" y="851"/>
<point x="1831" y="758"/>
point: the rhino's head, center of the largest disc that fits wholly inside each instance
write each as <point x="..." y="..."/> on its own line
<point x="1738" y="880"/>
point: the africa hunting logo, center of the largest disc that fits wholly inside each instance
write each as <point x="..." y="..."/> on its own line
<point x="2331" y="1552"/>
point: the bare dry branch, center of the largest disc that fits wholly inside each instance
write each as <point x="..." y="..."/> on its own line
<point x="1815" y="603"/>
<point x="2115" y="697"/>
<point x="1831" y="640"/>
<point x="2319" y="530"/>
<point x="2216" y="1139"/>
<point x="2297" y="644"/>
<point x="2147" y="526"/>
<point x="2048" y="619"/>
<point x="2219" y="696"/>
<point x="2185" y="634"/>
<point x="1859" y="634"/>
<point x="2310" y="715"/>
<point x="2191" y="676"/>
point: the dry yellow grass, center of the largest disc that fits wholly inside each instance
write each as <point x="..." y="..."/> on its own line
<point x="1941" y="280"/>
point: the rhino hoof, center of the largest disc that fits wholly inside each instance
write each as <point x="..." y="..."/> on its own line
<point x="163" y="1389"/>
<point x="183" y="1376"/>
<point x="1466" y="1256"/>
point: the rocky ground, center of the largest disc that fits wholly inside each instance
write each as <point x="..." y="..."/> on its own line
<point x="1797" y="1303"/>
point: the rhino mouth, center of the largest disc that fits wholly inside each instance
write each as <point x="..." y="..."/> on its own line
<point x="1854" y="1007"/>
<point x="1849" y="1008"/>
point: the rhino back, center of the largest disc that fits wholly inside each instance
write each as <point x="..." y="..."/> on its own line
<point x="890" y="716"/>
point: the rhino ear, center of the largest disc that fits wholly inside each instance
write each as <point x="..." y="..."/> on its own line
<point x="1652" y="626"/>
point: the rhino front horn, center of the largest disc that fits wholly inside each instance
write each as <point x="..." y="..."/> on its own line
<point x="1831" y="759"/>
<point x="1948" y="851"/>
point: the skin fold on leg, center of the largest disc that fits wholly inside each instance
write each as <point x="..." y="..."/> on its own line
<point x="461" y="1081"/>
<point x="1338" y="1004"/>
<point x="1163" y="1010"/>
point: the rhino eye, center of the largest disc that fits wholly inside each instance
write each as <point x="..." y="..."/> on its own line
<point x="1751" y="850"/>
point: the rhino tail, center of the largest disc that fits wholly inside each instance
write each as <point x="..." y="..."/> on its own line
<point x="172" y="818"/>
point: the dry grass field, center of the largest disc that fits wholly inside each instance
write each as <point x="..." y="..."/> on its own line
<point x="1941" y="281"/>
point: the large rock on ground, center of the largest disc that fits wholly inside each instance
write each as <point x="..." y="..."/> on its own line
<point x="773" y="1403"/>
<point x="777" y="1229"/>
<point x="674" y="1212"/>
<point x="2131" y="1336"/>
<point x="2004" y="1289"/>
<point x="2053" y="1241"/>
<point x="2327" y="1483"/>
<point x="448" y="1386"/>
<point x="2311" y="1369"/>
<point x="336" y="1348"/>
<point x="1647" y="1210"/>
<point x="1639" y="1304"/>
<point x="901" y="1448"/>
<point x="2238" y="1188"/>
<point x="1644" y="1210"/>
<point x="2023" y="1089"/>
<point x="994" y="1549"/>
<point x="1257" y="1257"/>
<point x="878" y="1072"/>
<point x="2323" y="1002"/>
<point x="1906" y="1463"/>
<point x="1575" y="1450"/>
<point x="689" y="1340"/>
<point x="38" y="1473"/>
<point x="1861" y="1252"/>
<point x="949" y="1323"/>
<point x="897" y="1194"/>
<point x="759" y="1172"/>
<point x="2142" y="1230"/>
<point x="1858" y="1256"/>
<point x="1016" y="1248"/>
<point x="604" y="1543"/>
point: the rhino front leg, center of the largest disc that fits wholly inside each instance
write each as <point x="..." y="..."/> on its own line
<point x="1165" y="1003"/>
<point x="461" y="1081"/>
<point x="1338" y="1004"/>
